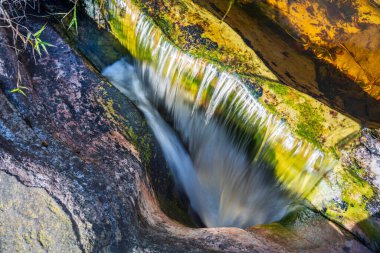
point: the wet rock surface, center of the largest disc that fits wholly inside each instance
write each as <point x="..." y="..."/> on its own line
<point x="366" y="156"/>
<point x="298" y="231"/>
<point x="62" y="138"/>
<point x="71" y="137"/>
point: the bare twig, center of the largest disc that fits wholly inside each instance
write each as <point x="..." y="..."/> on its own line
<point x="12" y="13"/>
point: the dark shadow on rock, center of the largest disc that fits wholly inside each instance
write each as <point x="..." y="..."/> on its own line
<point x="293" y="65"/>
<point x="101" y="49"/>
<point x="368" y="231"/>
<point x="343" y="93"/>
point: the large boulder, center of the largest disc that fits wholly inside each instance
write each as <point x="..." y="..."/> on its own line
<point x="343" y="33"/>
<point x="345" y="194"/>
<point x="87" y="149"/>
<point x="279" y="32"/>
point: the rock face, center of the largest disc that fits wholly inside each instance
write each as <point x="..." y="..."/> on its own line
<point x="266" y="29"/>
<point x="75" y="138"/>
<point x="344" y="33"/>
<point x="234" y="53"/>
<point x="31" y="220"/>
<point x="343" y="194"/>
<point x="367" y="155"/>
<point x="53" y="139"/>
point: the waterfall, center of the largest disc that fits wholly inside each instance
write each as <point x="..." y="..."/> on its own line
<point x="238" y="163"/>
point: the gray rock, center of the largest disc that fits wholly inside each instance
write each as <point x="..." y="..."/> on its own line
<point x="31" y="220"/>
<point x="371" y="140"/>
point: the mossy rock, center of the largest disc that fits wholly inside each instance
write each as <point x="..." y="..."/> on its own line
<point x="31" y="220"/>
<point x="308" y="118"/>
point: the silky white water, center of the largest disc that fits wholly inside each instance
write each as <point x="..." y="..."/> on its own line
<point x="238" y="164"/>
<point x="224" y="187"/>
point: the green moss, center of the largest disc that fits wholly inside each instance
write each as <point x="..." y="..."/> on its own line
<point x="307" y="117"/>
<point x="110" y="106"/>
<point x="310" y="132"/>
<point x="164" y="25"/>
<point x="371" y="230"/>
<point x="29" y="237"/>
<point x="173" y="18"/>
<point x="54" y="208"/>
<point x="277" y="88"/>
<point x="356" y="193"/>
<point x="349" y="141"/>
<point x="143" y="144"/>
<point x="44" y="239"/>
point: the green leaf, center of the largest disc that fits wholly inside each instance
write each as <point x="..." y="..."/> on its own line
<point x="37" y="47"/>
<point x="19" y="90"/>
<point x="28" y="36"/>
<point x="22" y="92"/>
<point x="44" y="48"/>
<point x="38" y="33"/>
<point x="74" y="21"/>
<point x="38" y="43"/>
<point x="47" y="44"/>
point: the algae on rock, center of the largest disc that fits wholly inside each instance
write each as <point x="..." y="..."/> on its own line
<point x="44" y="225"/>
<point x="196" y="32"/>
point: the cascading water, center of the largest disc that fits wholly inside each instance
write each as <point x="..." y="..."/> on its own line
<point x="223" y="186"/>
<point x="241" y="165"/>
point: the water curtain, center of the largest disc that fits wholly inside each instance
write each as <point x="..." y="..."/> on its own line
<point x="238" y="163"/>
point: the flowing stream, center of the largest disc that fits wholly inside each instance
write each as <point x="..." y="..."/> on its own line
<point x="238" y="164"/>
<point x="224" y="187"/>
